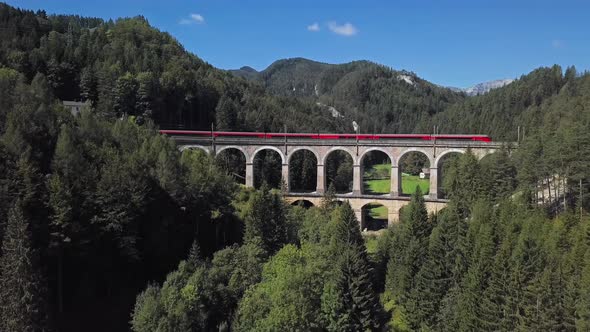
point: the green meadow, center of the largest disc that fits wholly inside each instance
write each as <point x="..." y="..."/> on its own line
<point x="383" y="186"/>
<point x="376" y="181"/>
<point x="378" y="211"/>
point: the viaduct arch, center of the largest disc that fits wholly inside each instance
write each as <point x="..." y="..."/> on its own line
<point x="395" y="149"/>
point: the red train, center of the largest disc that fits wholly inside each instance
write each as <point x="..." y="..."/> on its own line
<point x="427" y="137"/>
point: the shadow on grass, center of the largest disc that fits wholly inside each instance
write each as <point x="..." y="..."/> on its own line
<point x="375" y="217"/>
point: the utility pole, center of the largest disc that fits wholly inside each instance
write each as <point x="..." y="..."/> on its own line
<point x="212" y="139"/>
<point x="285" y="139"/>
<point x="581" y="208"/>
<point x="357" y="130"/>
<point x="434" y="129"/>
<point x="564" y="194"/>
<point x="357" y="142"/>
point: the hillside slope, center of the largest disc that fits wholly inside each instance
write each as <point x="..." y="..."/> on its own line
<point x="524" y="102"/>
<point x="128" y="67"/>
<point x="380" y="99"/>
<point x="384" y="100"/>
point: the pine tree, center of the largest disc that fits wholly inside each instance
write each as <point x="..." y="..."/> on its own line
<point x="266" y="220"/>
<point x="146" y="92"/>
<point x="460" y="248"/>
<point x="570" y="299"/>
<point x="583" y="305"/>
<point x="500" y="180"/>
<point x="410" y="248"/>
<point x="468" y="306"/>
<point x="418" y="223"/>
<point x="226" y="114"/>
<point x="329" y="199"/>
<point x="527" y="262"/>
<point x="125" y="95"/>
<point x="554" y="312"/>
<point x="21" y="288"/>
<point x="194" y="256"/>
<point x="497" y="299"/>
<point x="276" y="226"/>
<point x="355" y="305"/>
<point x="434" y="278"/>
<point x="65" y="185"/>
<point x="481" y="239"/>
<point x="89" y="85"/>
<point x="463" y="183"/>
<point x="348" y="231"/>
<point x="448" y="313"/>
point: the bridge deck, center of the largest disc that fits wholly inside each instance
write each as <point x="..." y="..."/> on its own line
<point x="186" y="140"/>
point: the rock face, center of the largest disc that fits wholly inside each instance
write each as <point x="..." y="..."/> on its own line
<point x="406" y="78"/>
<point x="483" y="88"/>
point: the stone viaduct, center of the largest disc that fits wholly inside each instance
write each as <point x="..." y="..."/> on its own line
<point x="395" y="149"/>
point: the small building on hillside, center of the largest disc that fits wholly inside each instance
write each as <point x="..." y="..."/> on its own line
<point x="75" y="106"/>
<point x="425" y="174"/>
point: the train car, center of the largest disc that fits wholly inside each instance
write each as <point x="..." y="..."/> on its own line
<point x="428" y="137"/>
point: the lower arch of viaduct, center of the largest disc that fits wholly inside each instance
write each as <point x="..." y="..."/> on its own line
<point x="393" y="206"/>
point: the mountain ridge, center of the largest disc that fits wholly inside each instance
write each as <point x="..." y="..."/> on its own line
<point x="250" y="73"/>
<point x="377" y="97"/>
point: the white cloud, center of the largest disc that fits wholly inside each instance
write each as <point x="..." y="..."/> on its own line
<point x="198" y="18"/>
<point x="314" y="27"/>
<point x="193" y="19"/>
<point x="556" y="43"/>
<point x="346" y="29"/>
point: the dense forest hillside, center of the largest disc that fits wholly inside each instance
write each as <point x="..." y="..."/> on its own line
<point x="128" y="67"/>
<point x="526" y="102"/>
<point x="384" y="100"/>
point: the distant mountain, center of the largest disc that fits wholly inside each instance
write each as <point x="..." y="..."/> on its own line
<point x="246" y="72"/>
<point x="483" y="88"/>
<point x="377" y="97"/>
<point x="300" y="77"/>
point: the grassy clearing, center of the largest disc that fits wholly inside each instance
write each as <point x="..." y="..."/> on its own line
<point x="383" y="186"/>
<point x="377" y="186"/>
<point x="371" y="244"/>
<point x="381" y="167"/>
<point x="409" y="183"/>
<point x="377" y="211"/>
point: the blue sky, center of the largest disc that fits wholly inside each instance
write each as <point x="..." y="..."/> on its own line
<point x="453" y="43"/>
